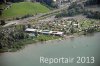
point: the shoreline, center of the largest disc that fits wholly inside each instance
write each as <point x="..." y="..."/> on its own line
<point x="58" y="39"/>
<point x="66" y="37"/>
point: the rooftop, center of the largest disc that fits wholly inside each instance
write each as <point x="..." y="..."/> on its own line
<point x="31" y="29"/>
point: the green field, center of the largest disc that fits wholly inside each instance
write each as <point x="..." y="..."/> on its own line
<point x="24" y="8"/>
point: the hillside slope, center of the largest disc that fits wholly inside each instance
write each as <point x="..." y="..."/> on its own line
<point x="24" y="8"/>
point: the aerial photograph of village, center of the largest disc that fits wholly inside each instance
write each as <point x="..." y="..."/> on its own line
<point x="49" y="32"/>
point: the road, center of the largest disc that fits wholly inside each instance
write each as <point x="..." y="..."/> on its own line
<point x="37" y="17"/>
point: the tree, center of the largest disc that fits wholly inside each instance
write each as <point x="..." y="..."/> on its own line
<point x="48" y="2"/>
<point x="0" y="11"/>
<point x="92" y="2"/>
<point x="5" y="1"/>
<point x="3" y="22"/>
<point x="74" y="9"/>
<point x="93" y="14"/>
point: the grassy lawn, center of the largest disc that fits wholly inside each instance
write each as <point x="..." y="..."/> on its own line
<point x="46" y="37"/>
<point x="24" y="8"/>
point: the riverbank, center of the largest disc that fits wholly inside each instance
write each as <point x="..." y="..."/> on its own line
<point x="31" y="40"/>
<point x="40" y="38"/>
<point x="83" y="46"/>
<point x="14" y="37"/>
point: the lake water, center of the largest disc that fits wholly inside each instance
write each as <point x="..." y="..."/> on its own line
<point x="83" y="46"/>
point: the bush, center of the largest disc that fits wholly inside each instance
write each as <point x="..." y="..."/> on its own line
<point x="28" y="15"/>
<point x="93" y="14"/>
<point x="1" y="11"/>
<point x="17" y="18"/>
<point x="92" y="2"/>
<point x="2" y="22"/>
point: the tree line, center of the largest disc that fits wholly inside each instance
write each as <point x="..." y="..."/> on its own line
<point x="48" y="2"/>
<point x="75" y="9"/>
<point x="9" y="36"/>
<point x="92" y="2"/>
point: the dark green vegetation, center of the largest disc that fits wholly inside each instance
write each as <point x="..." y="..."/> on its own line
<point x="5" y="1"/>
<point x="73" y="10"/>
<point x="14" y="37"/>
<point x="10" y="35"/>
<point x="76" y="9"/>
<point x="92" y="2"/>
<point x="18" y="10"/>
<point x="48" y="2"/>
<point x="2" y="22"/>
<point x="2" y="6"/>
<point x="92" y="14"/>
